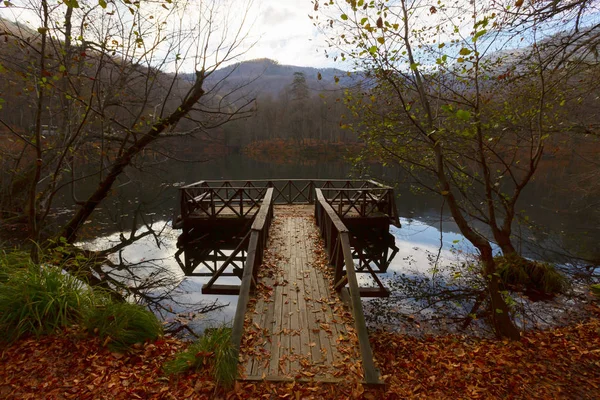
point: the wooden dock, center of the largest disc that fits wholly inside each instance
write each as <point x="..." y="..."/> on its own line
<point x="296" y="326"/>
<point x="299" y="314"/>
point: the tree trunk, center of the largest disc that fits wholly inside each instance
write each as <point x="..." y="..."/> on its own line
<point x="503" y="325"/>
<point x="32" y="211"/>
<point x="504" y="242"/>
<point x="69" y="231"/>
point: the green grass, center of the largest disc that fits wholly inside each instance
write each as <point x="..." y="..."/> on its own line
<point x="596" y="290"/>
<point x="515" y="270"/>
<point x="40" y="300"/>
<point x="122" y="325"/>
<point x="11" y="261"/>
<point x="213" y="350"/>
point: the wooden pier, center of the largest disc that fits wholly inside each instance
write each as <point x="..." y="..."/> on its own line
<point x="299" y="313"/>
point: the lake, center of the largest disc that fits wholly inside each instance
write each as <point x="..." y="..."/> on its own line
<point x="427" y="235"/>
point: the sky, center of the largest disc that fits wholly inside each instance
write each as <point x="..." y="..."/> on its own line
<point x="282" y="29"/>
<point x="288" y="35"/>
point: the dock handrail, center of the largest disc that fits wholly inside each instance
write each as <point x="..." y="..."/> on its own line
<point x="208" y="198"/>
<point x="337" y="241"/>
<point x="256" y="246"/>
<point x="287" y="191"/>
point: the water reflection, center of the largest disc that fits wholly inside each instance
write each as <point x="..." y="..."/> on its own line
<point x="190" y="264"/>
<point x="552" y="228"/>
<point x="205" y="256"/>
<point x="149" y="267"/>
<point x="417" y="248"/>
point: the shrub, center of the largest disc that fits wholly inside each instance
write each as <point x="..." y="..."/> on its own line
<point x="40" y="300"/>
<point x="596" y="290"/>
<point x="213" y="350"/>
<point x="517" y="271"/>
<point x="122" y="325"/>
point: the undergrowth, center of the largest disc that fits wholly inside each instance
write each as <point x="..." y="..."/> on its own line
<point x="122" y="325"/>
<point x="213" y="350"/>
<point x="39" y="299"/>
<point x="596" y="290"/>
<point x="517" y="271"/>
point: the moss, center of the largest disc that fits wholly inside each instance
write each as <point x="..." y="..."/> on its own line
<point x="596" y="290"/>
<point x="521" y="273"/>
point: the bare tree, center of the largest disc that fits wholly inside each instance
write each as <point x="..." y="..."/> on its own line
<point x="109" y="85"/>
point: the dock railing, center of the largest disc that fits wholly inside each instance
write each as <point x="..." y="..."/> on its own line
<point x="363" y="202"/>
<point x="259" y="234"/>
<point x="337" y="241"/>
<point x="210" y="202"/>
<point x="211" y="198"/>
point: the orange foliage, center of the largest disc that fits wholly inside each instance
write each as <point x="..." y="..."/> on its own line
<point x="558" y="363"/>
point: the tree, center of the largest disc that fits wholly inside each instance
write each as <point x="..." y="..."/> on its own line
<point x="464" y="112"/>
<point x="108" y="85"/>
<point x="299" y="106"/>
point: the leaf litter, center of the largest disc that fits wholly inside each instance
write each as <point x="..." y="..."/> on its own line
<point x="557" y="363"/>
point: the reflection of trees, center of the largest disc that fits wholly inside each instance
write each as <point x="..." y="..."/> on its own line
<point x="149" y="281"/>
<point x="451" y="297"/>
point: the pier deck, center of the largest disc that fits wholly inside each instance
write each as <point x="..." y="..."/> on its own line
<point x="296" y="326"/>
<point x="299" y="314"/>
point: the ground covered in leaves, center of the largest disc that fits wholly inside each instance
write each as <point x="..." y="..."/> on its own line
<point x="558" y="363"/>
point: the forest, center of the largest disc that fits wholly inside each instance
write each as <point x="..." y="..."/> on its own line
<point x="484" y="117"/>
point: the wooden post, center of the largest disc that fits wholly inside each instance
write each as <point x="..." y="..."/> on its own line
<point x="371" y="373"/>
<point x="241" y="202"/>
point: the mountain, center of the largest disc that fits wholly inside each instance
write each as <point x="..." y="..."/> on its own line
<point x="266" y="76"/>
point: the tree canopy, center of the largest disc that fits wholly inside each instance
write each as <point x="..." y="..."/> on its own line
<point x="466" y="97"/>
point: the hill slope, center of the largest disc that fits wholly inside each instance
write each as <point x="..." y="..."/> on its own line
<point x="265" y="76"/>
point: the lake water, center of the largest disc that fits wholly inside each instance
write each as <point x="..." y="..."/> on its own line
<point x="426" y="237"/>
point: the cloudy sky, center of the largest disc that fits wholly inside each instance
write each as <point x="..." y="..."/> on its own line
<point x="282" y="29"/>
<point x="288" y="35"/>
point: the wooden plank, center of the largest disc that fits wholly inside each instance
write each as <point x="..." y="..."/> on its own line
<point x="261" y="216"/>
<point x="322" y="339"/>
<point x="373" y="292"/>
<point x="221" y="289"/>
<point x="295" y="326"/>
<point x="275" y="378"/>
<point x="303" y="321"/>
<point x="284" y="350"/>
<point x="322" y="286"/>
<point x="313" y="346"/>
<point x="263" y="318"/>
<point x="251" y="361"/>
<point x="277" y="326"/>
